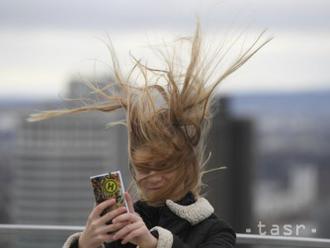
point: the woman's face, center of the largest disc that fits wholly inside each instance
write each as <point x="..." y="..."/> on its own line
<point x="153" y="182"/>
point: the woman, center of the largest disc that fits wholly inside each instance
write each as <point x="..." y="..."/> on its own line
<point x="167" y="119"/>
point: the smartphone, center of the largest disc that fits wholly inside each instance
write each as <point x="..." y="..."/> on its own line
<point x="109" y="185"/>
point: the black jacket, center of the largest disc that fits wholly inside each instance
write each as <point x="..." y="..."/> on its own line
<point x="184" y="224"/>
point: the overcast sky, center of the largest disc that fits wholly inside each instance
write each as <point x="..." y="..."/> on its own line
<point x="128" y="14"/>
<point x="44" y="43"/>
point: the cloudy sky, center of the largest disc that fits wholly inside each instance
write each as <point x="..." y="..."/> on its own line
<point x="43" y="44"/>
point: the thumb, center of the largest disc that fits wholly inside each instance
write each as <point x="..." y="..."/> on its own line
<point x="129" y="201"/>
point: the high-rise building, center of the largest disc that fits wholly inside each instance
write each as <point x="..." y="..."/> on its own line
<point x="53" y="162"/>
<point x="7" y="137"/>
<point x="231" y="143"/>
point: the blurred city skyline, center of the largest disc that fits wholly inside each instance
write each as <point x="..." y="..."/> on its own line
<point x="288" y="150"/>
<point x="43" y="45"/>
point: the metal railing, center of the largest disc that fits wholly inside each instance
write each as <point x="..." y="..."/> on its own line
<point x="241" y="238"/>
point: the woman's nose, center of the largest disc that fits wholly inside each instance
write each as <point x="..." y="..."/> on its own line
<point x="154" y="177"/>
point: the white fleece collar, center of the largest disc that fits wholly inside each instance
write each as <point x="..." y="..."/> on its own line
<point x="193" y="213"/>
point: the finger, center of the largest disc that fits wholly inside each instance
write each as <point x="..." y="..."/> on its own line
<point x="111" y="228"/>
<point x="137" y="232"/>
<point x="128" y="217"/>
<point x="101" y="207"/>
<point x="112" y="214"/>
<point x="107" y="237"/>
<point x="129" y="201"/>
<point x="127" y="229"/>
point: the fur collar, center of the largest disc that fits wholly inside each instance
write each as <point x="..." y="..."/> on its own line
<point x="193" y="213"/>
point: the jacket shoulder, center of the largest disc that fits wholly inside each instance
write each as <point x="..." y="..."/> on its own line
<point x="218" y="231"/>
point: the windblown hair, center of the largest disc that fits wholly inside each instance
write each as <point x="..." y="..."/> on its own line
<point x="167" y="117"/>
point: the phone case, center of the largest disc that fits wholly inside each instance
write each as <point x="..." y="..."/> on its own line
<point x="109" y="185"/>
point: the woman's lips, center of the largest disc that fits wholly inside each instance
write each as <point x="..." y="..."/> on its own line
<point x="154" y="188"/>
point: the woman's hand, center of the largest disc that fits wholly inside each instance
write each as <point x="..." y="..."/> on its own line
<point x="97" y="231"/>
<point x="136" y="231"/>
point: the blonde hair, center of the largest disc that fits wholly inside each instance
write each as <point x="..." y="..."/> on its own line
<point x="167" y="122"/>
